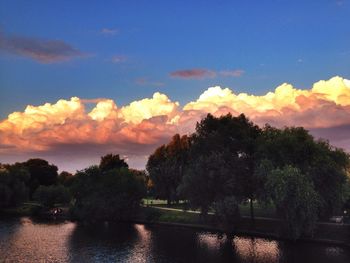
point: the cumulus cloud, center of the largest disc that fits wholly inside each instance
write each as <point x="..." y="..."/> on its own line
<point x="65" y="130"/>
<point x="43" y="51"/>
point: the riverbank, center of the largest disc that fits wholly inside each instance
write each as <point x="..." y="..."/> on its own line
<point x="326" y="233"/>
<point x="270" y="228"/>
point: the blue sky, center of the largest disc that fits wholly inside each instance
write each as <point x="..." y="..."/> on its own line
<point x="269" y="42"/>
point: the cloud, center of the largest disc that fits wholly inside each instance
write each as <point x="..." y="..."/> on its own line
<point x="109" y="31"/>
<point x="205" y="73"/>
<point x="67" y="134"/>
<point x="232" y="73"/>
<point x="193" y="74"/>
<point x="43" y="51"/>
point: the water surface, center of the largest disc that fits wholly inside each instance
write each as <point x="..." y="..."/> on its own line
<point x="26" y="240"/>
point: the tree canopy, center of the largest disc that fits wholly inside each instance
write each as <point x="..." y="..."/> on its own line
<point x="166" y="167"/>
<point x="111" y="161"/>
<point x="114" y="194"/>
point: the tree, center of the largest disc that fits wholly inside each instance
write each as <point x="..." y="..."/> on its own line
<point x="110" y="161"/>
<point x="65" y="178"/>
<point x="13" y="185"/>
<point x="51" y="195"/>
<point x="323" y="164"/>
<point x="235" y="140"/>
<point x="41" y="173"/>
<point x="295" y="199"/>
<point x="106" y="195"/>
<point x="166" y="167"/>
<point x="207" y="181"/>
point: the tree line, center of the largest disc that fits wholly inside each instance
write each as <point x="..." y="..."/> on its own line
<point x="108" y="191"/>
<point x="229" y="160"/>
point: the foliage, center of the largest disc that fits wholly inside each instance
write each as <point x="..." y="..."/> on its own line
<point x="207" y="180"/>
<point x="110" y="161"/>
<point x="106" y="195"/>
<point x="223" y="153"/>
<point x="41" y="173"/>
<point x="295" y="199"/>
<point x="65" y="178"/>
<point x="13" y="185"/>
<point x="51" y="195"/>
<point x="166" y="167"/>
<point x="323" y="164"/>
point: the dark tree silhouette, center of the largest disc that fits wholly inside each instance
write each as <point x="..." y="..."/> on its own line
<point x="323" y="164"/>
<point x="166" y="167"/>
<point x="41" y="173"/>
<point x="235" y="140"/>
<point x="110" y="161"/>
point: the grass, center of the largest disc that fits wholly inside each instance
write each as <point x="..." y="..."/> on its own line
<point x="260" y="210"/>
<point x="157" y="215"/>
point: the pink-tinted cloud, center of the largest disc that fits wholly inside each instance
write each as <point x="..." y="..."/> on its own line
<point x="193" y="73"/>
<point x="67" y="134"/>
<point x="43" y="51"/>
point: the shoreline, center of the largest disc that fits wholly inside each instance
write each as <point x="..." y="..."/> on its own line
<point x="204" y="227"/>
<point x="253" y="234"/>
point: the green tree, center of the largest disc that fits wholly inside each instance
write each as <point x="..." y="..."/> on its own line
<point x="41" y="173"/>
<point x="106" y="195"/>
<point x="13" y="185"/>
<point x="295" y="199"/>
<point x="111" y="161"/>
<point x="207" y="181"/>
<point x="166" y="167"/>
<point x="323" y="164"/>
<point x="235" y="140"/>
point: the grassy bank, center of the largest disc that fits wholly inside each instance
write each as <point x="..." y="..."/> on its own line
<point x="338" y="234"/>
<point x="259" y="209"/>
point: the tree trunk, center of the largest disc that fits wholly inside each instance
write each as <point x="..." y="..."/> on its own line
<point x="252" y="218"/>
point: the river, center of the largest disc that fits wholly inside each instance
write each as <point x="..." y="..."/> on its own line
<point x="26" y="240"/>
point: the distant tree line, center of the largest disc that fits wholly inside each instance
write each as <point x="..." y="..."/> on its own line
<point x="29" y="180"/>
<point x="108" y="191"/>
<point x="229" y="160"/>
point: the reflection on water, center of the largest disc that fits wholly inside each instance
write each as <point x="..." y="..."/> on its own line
<point x="25" y="240"/>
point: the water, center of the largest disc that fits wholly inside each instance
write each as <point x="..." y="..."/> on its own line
<point x="25" y="240"/>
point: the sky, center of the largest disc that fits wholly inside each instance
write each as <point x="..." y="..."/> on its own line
<point x="79" y="79"/>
